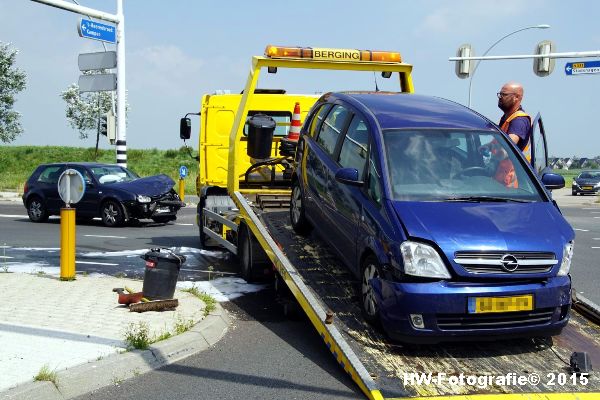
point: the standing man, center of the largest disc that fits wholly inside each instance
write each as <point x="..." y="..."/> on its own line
<point x="515" y="122"/>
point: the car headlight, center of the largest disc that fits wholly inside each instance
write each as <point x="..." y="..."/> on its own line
<point x="565" y="265"/>
<point x="575" y="184"/>
<point x="423" y="260"/>
<point x="597" y="184"/>
<point x="143" y="199"/>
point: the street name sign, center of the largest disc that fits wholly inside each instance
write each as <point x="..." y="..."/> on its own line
<point x="97" y="82"/>
<point x="100" y="60"/>
<point x="582" y="68"/>
<point x="98" y="31"/>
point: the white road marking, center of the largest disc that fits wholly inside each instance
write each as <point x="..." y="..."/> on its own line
<point x="184" y="224"/>
<point x="582" y="230"/>
<point x="13" y="216"/>
<point x="207" y="271"/>
<point x="93" y="263"/>
<point x="595" y="247"/>
<point x="594" y="208"/>
<point x="107" y="236"/>
<point x="6" y="257"/>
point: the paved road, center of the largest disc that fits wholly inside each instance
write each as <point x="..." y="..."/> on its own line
<point x="264" y="356"/>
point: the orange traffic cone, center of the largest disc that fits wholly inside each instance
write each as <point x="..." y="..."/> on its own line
<point x="288" y="144"/>
<point x="294" y="133"/>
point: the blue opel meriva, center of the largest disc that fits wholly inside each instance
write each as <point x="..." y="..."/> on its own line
<point x="449" y="229"/>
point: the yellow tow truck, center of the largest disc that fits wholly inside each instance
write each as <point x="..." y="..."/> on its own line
<point x="244" y="191"/>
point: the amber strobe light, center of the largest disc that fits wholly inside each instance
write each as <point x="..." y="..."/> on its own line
<point x="326" y="54"/>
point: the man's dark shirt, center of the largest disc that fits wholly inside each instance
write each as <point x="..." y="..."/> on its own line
<point x="519" y="126"/>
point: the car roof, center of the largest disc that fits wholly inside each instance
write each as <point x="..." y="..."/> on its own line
<point x="407" y="110"/>
<point x="83" y="164"/>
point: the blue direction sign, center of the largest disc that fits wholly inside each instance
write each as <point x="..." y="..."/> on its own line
<point x="97" y="31"/>
<point x="183" y="171"/>
<point x="582" y="68"/>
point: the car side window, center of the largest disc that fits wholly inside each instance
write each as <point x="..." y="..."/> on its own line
<point x="354" y="148"/>
<point x="332" y="127"/>
<point x="50" y="174"/>
<point x="84" y="172"/>
<point x="374" y="187"/>
<point x="317" y="120"/>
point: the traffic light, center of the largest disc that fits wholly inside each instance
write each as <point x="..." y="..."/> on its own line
<point x="103" y="127"/>
<point x="545" y="65"/>
<point x="464" y="68"/>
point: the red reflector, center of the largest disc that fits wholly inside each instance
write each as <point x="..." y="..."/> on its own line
<point x="150" y="264"/>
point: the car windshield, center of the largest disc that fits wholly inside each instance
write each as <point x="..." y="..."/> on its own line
<point x="589" y="175"/>
<point x="454" y="165"/>
<point x="107" y="174"/>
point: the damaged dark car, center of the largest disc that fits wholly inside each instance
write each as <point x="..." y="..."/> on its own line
<point x="112" y="193"/>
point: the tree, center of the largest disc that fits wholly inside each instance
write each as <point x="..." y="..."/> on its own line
<point x="12" y="81"/>
<point x="84" y="110"/>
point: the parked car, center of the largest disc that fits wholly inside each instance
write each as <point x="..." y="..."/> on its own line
<point x="587" y="182"/>
<point x="112" y="193"/>
<point x="437" y="213"/>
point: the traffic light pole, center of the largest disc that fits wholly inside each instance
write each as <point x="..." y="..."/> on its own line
<point x="119" y="20"/>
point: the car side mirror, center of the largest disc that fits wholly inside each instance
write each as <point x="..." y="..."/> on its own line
<point x="348" y="176"/>
<point x="553" y="181"/>
<point x="185" y="128"/>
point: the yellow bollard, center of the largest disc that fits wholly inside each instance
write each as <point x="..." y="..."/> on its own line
<point x="182" y="189"/>
<point x="67" y="244"/>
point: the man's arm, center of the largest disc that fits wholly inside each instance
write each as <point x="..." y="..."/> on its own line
<point x="519" y="129"/>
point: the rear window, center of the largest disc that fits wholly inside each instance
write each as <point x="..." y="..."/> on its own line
<point x="50" y="174"/>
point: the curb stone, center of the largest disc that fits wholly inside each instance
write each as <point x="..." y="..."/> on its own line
<point x="117" y="368"/>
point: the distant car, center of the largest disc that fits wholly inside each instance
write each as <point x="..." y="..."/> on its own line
<point x="113" y="193"/>
<point x="587" y="182"/>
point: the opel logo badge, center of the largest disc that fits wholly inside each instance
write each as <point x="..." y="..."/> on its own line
<point x="509" y="263"/>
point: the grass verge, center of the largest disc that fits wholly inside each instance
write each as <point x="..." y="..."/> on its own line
<point x="209" y="301"/>
<point x="46" y="374"/>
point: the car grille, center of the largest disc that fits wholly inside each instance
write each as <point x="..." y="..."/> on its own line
<point x="491" y="262"/>
<point x="449" y="322"/>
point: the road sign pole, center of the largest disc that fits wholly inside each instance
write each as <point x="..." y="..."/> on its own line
<point x="121" y="89"/>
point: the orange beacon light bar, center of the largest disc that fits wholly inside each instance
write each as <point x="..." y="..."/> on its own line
<point x="326" y="54"/>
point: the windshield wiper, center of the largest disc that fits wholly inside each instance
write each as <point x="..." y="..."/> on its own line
<point x="477" y="199"/>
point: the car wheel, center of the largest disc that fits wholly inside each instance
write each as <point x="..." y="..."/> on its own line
<point x="253" y="260"/>
<point x="368" y="303"/>
<point x="573" y="193"/>
<point x="112" y="213"/>
<point x="36" y="210"/>
<point x="297" y="213"/>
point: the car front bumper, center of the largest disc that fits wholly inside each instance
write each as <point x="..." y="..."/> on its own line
<point x="585" y="189"/>
<point x="443" y="307"/>
<point x="160" y="208"/>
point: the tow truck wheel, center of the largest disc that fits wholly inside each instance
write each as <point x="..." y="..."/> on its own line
<point x="297" y="216"/>
<point x="253" y="260"/>
<point x="201" y="223"/>
<point x="368" y="303"/>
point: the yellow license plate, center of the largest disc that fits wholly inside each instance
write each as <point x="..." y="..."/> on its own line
<point x="586" y="187"/>
<point x="480" y="305"/>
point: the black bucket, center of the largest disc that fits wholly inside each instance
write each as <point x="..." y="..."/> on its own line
<point x="260" y="136"/>
<point x="162" y="272"/>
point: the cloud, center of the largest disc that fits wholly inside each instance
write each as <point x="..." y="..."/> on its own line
<point x="471" y="15"/>
<point x="166" y="68"/>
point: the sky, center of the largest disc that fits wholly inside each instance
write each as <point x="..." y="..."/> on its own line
<point x="178" y="50"/>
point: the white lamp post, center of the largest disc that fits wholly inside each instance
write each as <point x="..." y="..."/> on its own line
<point x="542" y="26"/>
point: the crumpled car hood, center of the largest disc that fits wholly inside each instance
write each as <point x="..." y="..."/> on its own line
<point x="152" y="186"/>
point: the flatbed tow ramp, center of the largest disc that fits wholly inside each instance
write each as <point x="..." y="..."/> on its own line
<point x="325" y="289"/>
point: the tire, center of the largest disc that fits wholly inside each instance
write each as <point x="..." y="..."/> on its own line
<point x="201" y="234"/>
<point x="573" y="193"/>
<point x="112" y="213"/>
<point x="368" y="302"/>
<point x="297" y="213"/>
<point x="253" y="260"/>
<point x="36" y="210"/>
<point x="164" y="220"/>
